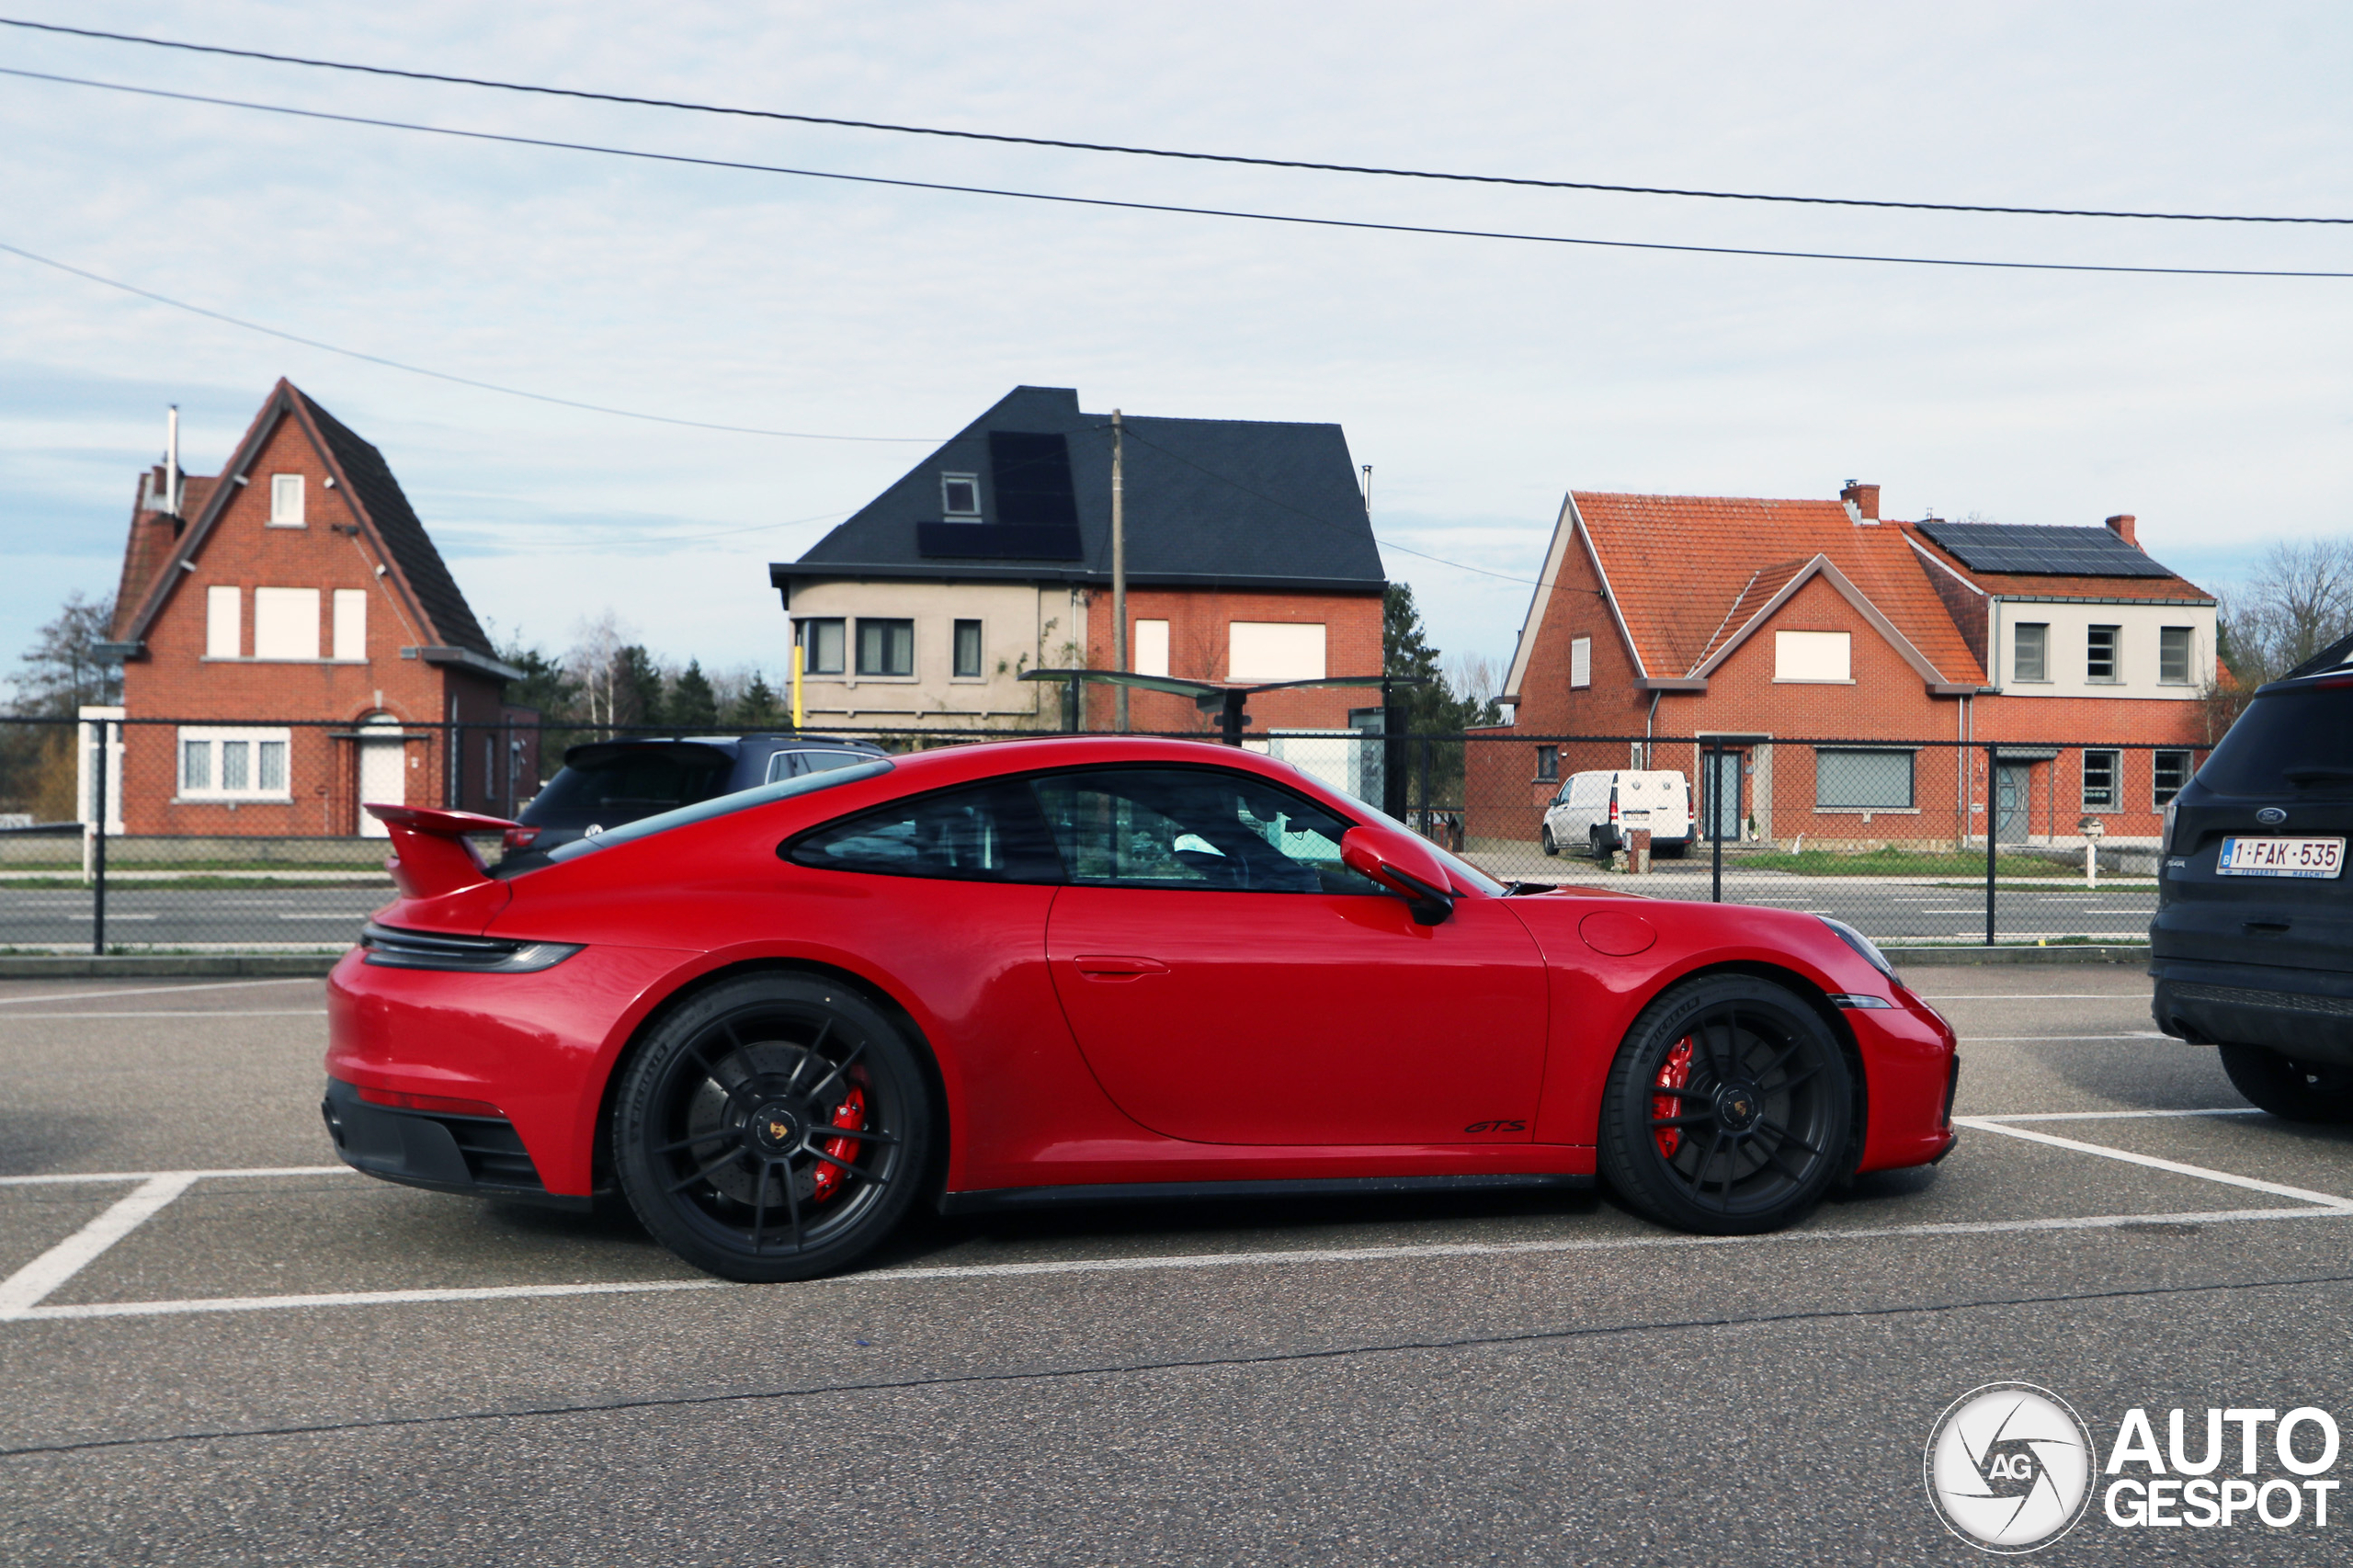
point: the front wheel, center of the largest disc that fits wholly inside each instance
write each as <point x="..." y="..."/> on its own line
<point x="774" y="1127"/>
<point x="2294" y="1091"/>
<point x="1728" y="1110"/>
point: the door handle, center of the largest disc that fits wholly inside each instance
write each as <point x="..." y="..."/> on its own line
<point x="1104" y="966"/>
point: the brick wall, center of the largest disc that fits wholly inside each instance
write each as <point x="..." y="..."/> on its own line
<point x="1198" y="622"/>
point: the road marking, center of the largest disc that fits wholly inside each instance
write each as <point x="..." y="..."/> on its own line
<point x="1970" y="1038"/>
<point x="2036" y="996"/>
<point x="1181" y="1261"/>
<point x="163" y="1013"/>
<point x="2121" y="1115"/>
<point x="23" y="1288"/>
<point x="1987" y="1124"/>
<point x="74" y="1177"/>
<point x="154" y="990"/>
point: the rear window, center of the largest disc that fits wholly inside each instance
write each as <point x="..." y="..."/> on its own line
<point x="793" y="764"/>
<point x="719" y="806"/>
<point x="632" y="783"/>
<point x="2296" y="741"/>
<point x="983" y="833"/>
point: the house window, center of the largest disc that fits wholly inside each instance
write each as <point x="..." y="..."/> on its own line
<point x="285" y="500"/>
<point x="1548" y="764"/>
<point x="286" y="623"/>
<point x="1275" y="650"/>
<point x="2029" y="651"/>
<point x="351" y="623"/>
<point x="233" y="765"/>
<point x="1813" y="655"/>
<point x="886" y="647"/>
<point x="1148" y="654"/>
<point x="1871" y="780"/>
<point x="2100" y="653"/>
<point x="959" y="498"/>
<point x="225" y="631"/>
<point x="1580" y="662"/>
<point x="968" y="650"/>
<point x="2173" y="656"/>
<point x="2172" y="773"/>
<point x="2099" y="780"/>
<point x="821" y="647"/>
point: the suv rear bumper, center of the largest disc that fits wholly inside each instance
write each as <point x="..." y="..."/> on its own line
<point x="2303" y="1014"/>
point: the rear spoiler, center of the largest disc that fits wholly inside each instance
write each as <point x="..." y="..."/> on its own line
<point x="430" y="855"/>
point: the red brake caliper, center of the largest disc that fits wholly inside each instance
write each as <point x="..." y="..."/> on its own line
<point x="850" y="1113"/>
<point x="1674" y="1074"/>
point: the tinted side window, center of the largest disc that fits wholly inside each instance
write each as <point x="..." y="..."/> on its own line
<point x="635" y="783"/>
<point x="1194" y="828"/>
<point x="793" y="764"/>
<point x="2287" y="743"/>
<point x="988" y="832"/>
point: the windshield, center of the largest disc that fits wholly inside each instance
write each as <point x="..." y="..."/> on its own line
<point x="2293" y="742"/>
<point x="719" y="806"/>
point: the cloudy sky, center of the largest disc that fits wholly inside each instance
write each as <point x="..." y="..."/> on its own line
<point x="1479" y="377"/>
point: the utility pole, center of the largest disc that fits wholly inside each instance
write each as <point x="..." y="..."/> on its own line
<point x="1119" y="562"/>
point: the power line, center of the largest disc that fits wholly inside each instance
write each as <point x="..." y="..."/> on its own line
<point x="437" y="375"/>
<point x="693" y="107"/>
<point x="1111" y="203"/>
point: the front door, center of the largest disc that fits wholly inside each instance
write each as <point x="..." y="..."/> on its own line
<point x="383" y="776"/>
<point x="1230" y="981"/>
<point x="1723" y="794"/>
<point x="2013" y="801"/>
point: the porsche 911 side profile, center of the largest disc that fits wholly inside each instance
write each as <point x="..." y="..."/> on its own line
<point x="1023" y="973"/>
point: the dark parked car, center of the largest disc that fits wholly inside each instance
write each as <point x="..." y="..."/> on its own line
<point x="605" y="783"/>
<point x="2253" y="944"/>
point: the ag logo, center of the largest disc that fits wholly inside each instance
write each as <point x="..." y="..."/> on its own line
<point x="2009" y="1467"/>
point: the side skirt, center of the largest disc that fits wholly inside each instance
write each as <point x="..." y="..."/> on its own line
<point x="1013" y="1200"/>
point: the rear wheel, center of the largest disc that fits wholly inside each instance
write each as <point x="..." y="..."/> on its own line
<point x="2297" y="1091"/>
<point x="774" y="1127"/>
<point x="1546" y="836"/>
<point x="1728" y="1108"/>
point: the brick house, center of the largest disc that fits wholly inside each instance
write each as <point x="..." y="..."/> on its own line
<point x="293" y="620"/>
<point x="1763" y="622"/>
<point x="1249" y="558"/>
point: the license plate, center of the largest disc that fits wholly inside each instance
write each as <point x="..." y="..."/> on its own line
<point x="2280" y="858"/>
<point x="1634" y="819"/>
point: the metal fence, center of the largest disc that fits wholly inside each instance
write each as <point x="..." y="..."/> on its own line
<point x="142" y="836"/>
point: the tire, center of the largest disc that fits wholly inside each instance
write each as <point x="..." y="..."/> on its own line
<point x="1728" y="1110"/>
<point x="1546" y="838"/>
<point x="774" y="1127"/>
<point x="1592" y="843"/>
<point x="2291" y="1090"/>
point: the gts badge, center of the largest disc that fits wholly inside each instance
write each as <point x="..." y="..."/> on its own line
<point x="1497" y="1127"/>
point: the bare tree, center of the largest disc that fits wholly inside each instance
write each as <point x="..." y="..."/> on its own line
<point x="1475" y="680"/>
<point x="2300" y="601"/>
<point x="62" y="671"/>
<point x="593" y="664"/>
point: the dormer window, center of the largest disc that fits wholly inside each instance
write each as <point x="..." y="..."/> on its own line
<point x="285" y="500"/>
<point x="959" y="498"/>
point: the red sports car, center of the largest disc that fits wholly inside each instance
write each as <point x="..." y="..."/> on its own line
<point x="1003" y="975"/>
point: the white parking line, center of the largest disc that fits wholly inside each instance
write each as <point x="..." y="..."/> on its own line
<point x="154" y="990"/>
<point x="2121" y="1115"/>
<point x="1989" y="1124"/>
<point x="2017" y="1038"/>
<point x="2038" y="996"/>
<point x="21" y="1290"/>
<point x="188" y="1013"/>
<point x="73" y="1177"/>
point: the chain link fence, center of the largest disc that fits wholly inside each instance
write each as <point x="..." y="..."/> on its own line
<point x="148" y="835"/>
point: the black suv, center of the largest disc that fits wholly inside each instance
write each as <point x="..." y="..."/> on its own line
<point x="2253" y="944"/>
<point x="605" y="783"/>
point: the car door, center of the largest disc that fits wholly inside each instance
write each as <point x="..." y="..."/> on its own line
<point x="1230" y="981"/>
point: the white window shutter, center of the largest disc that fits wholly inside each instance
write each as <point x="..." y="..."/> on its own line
<point x="225" y="632"/>
<point x="286" y="623"/>
<point x="351" y="623"/>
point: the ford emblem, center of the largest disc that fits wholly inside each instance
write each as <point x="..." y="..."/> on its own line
<point x="2271" y="816"/>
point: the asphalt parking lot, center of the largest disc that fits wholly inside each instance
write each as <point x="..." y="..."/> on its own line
<point x="220" y="1346"/>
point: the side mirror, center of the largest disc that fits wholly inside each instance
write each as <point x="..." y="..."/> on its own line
<point x="1402" y="866"/>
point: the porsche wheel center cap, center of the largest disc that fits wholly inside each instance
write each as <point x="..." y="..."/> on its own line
<point x="1737" y="1107"/>
<point x="773" y="1127"/>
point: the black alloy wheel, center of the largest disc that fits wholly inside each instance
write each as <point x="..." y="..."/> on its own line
<point x="774" y="1127"/>
<point x="2291" y="1090"/>
<point x="1546" y="836"/>
<point x="1728" y="1108"/>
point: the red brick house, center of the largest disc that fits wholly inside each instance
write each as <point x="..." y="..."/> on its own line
<point x="1765" y="622"/>
<point x="1249" y="559"/>
<point x="293" y="620"/>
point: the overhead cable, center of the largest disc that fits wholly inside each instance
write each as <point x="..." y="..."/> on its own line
<point x="689" y="106"/>
<point x="1110" y="202"/>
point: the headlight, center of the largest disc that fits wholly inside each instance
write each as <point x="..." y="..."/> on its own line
<point x="1861" y="944"/>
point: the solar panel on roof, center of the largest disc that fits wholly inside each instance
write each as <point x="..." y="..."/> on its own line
<point x="2040" y="550"/>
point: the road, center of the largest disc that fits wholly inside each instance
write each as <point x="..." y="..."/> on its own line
<point x="280" y="1362"/>
<point x="1887" y="908"/>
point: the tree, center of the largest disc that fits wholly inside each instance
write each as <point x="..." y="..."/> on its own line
<point x="1462" y="697"/>
<point x="757" y="707"/>
<point x="62" y="671"/>
<point x="636" y="685"/>
<point x="2299" y="602"/>
<point x="691" y="704"/>
<point x="545" y="685"/>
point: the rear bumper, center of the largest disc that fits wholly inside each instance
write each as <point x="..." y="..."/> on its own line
<point x="2303" y="1014"/>
<point x="479" y="1156"/>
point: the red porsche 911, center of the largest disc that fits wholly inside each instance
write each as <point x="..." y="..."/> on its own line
<point x="1015" y="973"/>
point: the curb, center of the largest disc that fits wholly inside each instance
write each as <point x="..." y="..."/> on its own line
<point x="144" y="966"/>
<point x="1962" y="958"/>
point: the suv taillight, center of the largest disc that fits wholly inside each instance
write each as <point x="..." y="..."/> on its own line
<point x="2164" y="839"/>
<point x="520" y="837"/>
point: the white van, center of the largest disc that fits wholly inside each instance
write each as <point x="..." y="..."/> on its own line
<point x="1595" y="811"/>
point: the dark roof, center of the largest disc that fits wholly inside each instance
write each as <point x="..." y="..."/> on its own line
<point x="411" y="547"/>
<point x="2040" y="550"/>
<point x="1209" y="502"/>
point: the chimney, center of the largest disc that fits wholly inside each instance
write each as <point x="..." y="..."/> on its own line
<point x="2120" y="525"/>
<point x="1863" y="499"/>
